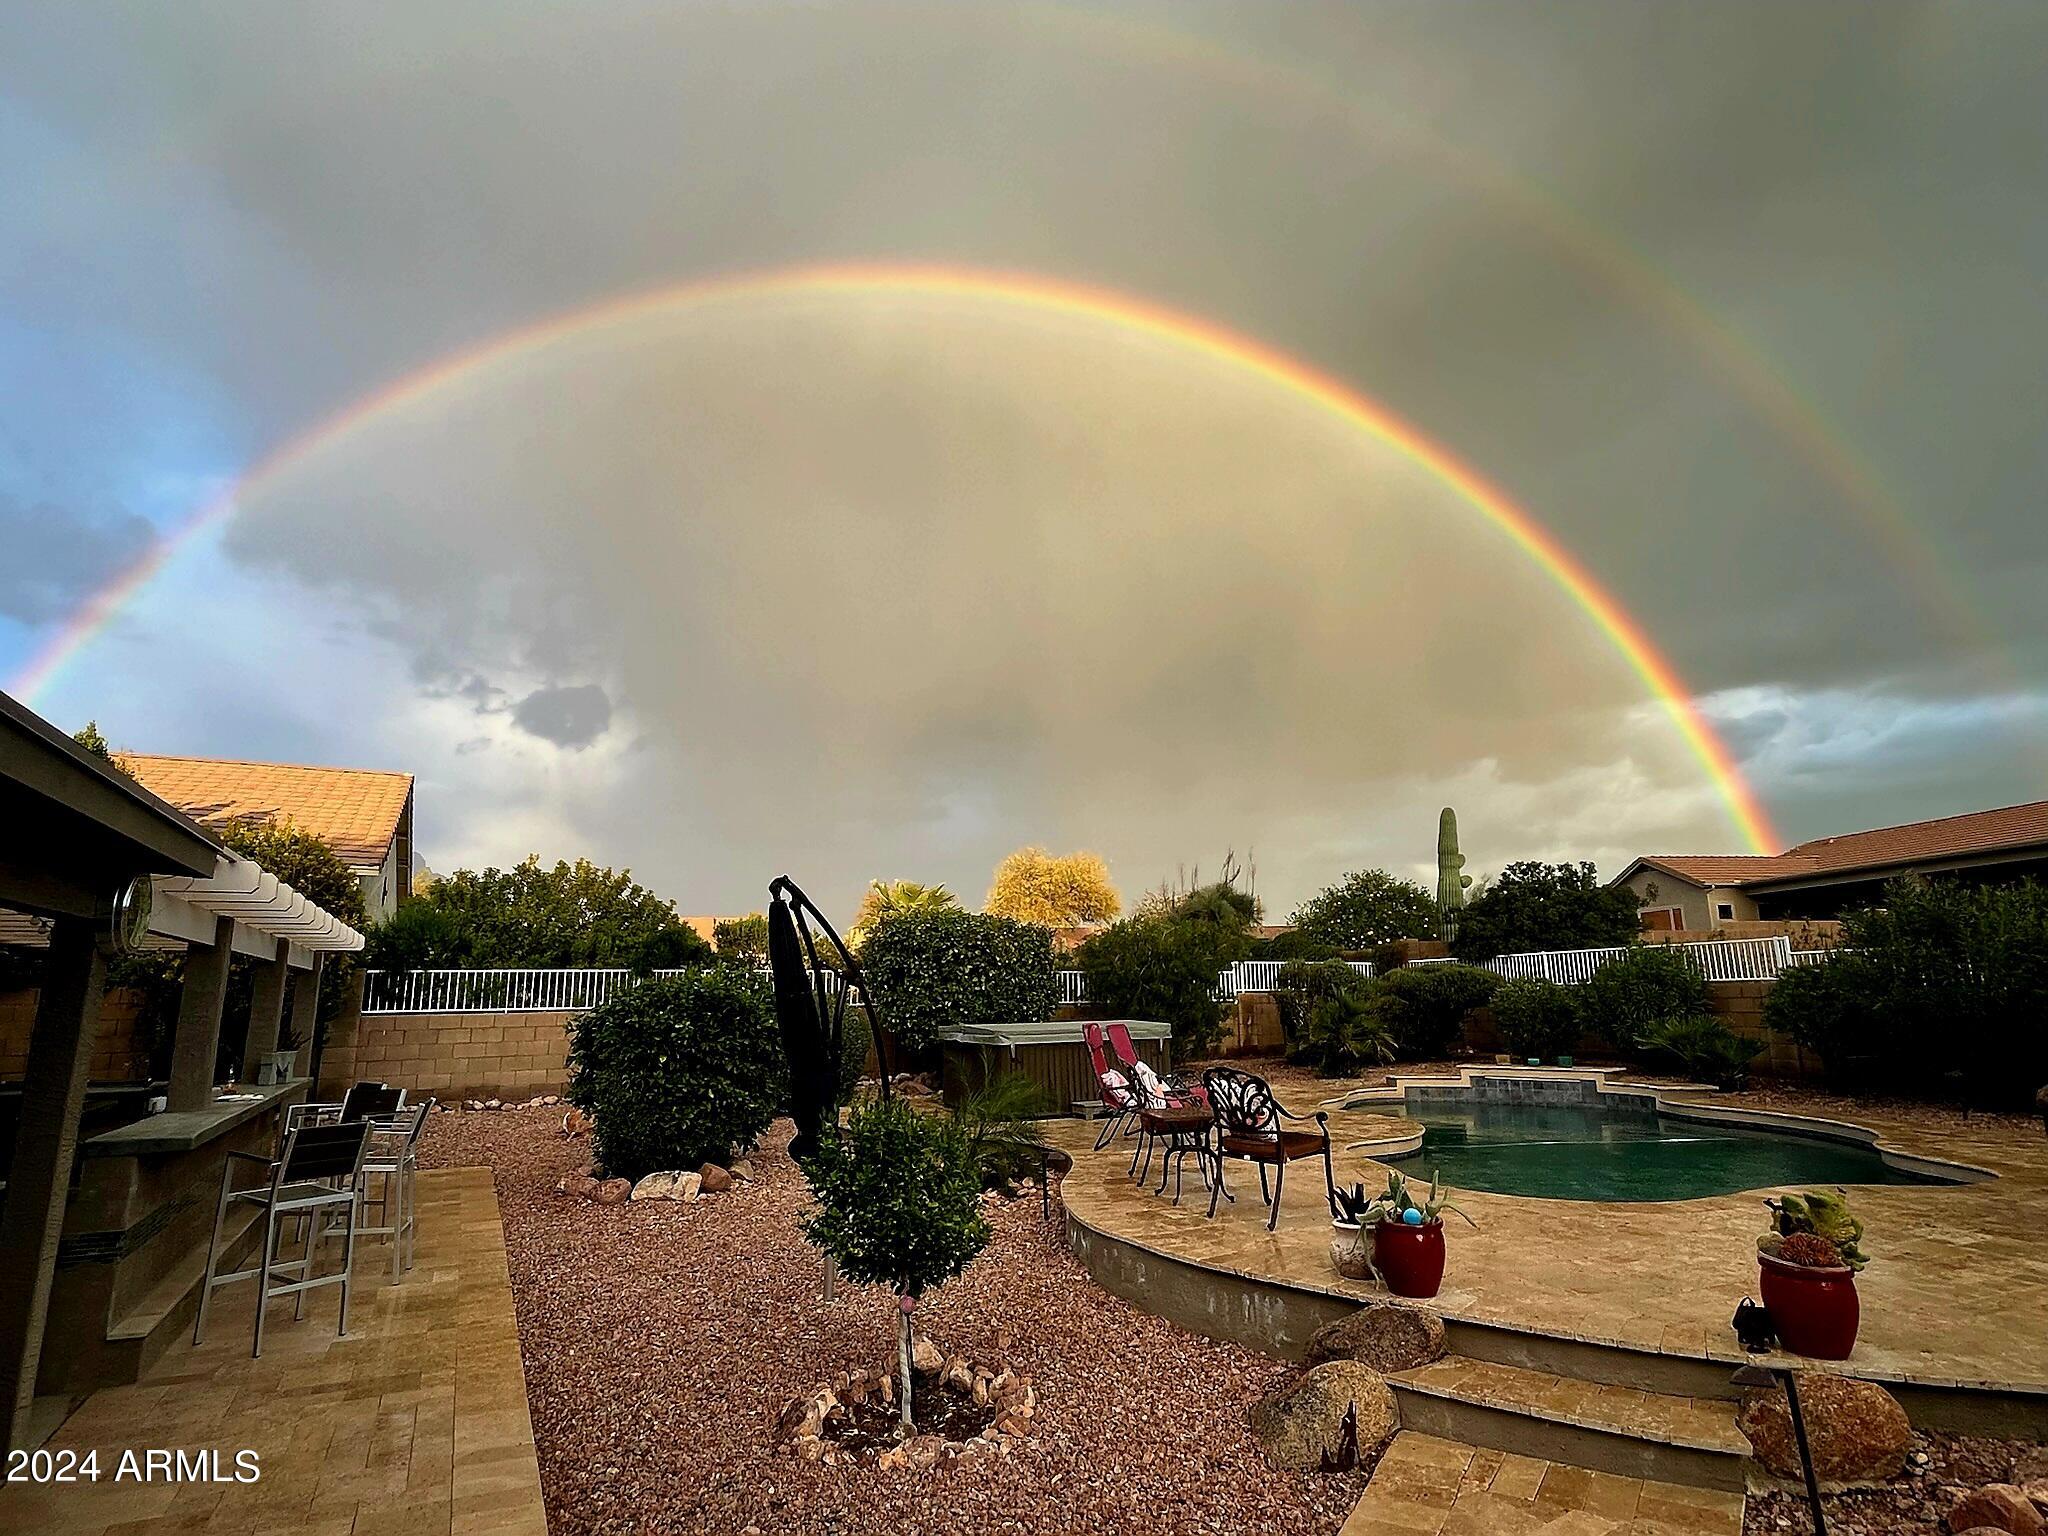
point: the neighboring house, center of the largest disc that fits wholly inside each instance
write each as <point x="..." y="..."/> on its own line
<point x="363" y="814"/>
<point x="1831" y="875"/>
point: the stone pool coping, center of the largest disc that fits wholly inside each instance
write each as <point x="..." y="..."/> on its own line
<point x="1815" y="1127"/>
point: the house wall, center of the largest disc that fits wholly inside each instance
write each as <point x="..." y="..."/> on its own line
<point x="450" y="1055"/>
<point x="1656" y="888"/>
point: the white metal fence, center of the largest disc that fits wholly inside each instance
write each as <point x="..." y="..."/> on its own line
<point x="499" y="991"/>
<point x="1245" y="976"/>
<point x="1718" y="960"/>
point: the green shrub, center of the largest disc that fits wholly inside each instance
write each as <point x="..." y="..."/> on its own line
<point x="1000" y="1121"/>
<point x="1531" y="906"/>
<point x="857" y="1038"/>
<point x="1292" y="945"/>
<point x="1941" y="993"/>
<point x="1702" y="1047"/>
<point x="938" y="969"/>
<point x="899" y="1203"/>
<point x="1633" y="991"/>
<point x="1424" y="1007"/>
<point x="678" y="1071"/>
<point x="1537" y="1018"/>
<point x="1298" y="987"/>
<point x="1159" y="966"/>
<point x="1345" y="1033"/>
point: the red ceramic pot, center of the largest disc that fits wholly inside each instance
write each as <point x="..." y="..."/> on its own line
<point x="1814" y="1310"/>
<point x="1409" y="1259"/>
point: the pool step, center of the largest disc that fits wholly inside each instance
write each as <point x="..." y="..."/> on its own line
<point x="1623" y="1430"/>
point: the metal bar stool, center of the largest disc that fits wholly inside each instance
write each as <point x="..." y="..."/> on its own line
<point x="318" y="1176"/>
<point x="393" y="1159"/>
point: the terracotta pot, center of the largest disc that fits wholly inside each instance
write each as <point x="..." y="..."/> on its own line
<point x="1814" y="1310"/>
<point x="1409" y="1259"/>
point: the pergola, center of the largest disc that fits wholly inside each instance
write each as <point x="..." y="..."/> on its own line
<point x="92" y="863"/>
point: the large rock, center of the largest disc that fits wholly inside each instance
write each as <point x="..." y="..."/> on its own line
<point x="1382" y="1334"/>
<point x="1999" y="1507"/>
<point x="1303" y="1427"/>
<point x="613" y="1192"/>
<point x="926" y="1358"/>
<point x="1857" y="1430"/>
<point x="713" y="1180"/>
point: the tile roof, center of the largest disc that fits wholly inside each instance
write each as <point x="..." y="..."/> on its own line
<point x="1946" y="837"/>
<point x="355" y="811"/>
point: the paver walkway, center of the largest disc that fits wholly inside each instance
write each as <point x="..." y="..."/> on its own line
<point x="1425" y="1486"/>
<point x="414" y="1423"/>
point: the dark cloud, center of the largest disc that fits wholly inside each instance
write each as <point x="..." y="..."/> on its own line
<point x="54" y="559"/>
<point x="572" y="716"/>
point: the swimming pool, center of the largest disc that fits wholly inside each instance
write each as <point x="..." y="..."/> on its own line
<point x="1619" y="1147"/>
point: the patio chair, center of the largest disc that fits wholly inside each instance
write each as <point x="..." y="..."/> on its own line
<point x="393" y="1159"/>
<point x="1117" y="1094"/>
<point x="1251" y="1124"/>
<point x="318" y="1175"/>
<point x="1186" y="1089"/>
<point x="363" y="1101"/>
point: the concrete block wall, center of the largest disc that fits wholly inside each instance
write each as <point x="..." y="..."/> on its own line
<point x="451" y="1055"/>
<point x="120" y="1054"/>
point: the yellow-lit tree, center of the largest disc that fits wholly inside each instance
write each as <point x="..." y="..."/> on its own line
<point x="1057" y="890"/>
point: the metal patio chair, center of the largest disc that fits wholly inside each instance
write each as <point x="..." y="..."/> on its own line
<point x="1251" y="1124"/>
<point x="318" y="1176"/>
<point x="392" y="1159"/>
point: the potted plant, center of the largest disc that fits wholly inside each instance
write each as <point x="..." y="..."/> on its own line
<point x="1348" y="1250"/>
<point x="1809" y="1259"/>
<point x="1408" y="1236"/>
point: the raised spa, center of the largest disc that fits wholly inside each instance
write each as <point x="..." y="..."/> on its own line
<point x="1565" y="1139"/>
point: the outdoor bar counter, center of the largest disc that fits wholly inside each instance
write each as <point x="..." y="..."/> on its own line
<point x="1051" y="1053"/>
<point x="136" y="1230"/>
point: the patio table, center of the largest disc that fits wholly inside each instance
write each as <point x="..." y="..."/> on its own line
<point x="1185" y="1128"/>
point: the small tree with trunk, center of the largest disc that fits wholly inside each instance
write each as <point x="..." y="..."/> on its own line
<point x="898" y="1194"/>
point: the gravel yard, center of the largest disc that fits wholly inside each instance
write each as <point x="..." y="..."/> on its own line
<point x="660" y="1341"/>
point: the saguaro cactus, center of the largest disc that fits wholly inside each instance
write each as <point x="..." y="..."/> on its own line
<point x="1450" y="878"/>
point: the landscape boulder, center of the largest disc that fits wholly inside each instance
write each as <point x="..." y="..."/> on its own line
<point x="1856" y="1429"/>
<point x="581" y="1185"/>
<point x="926" y="1358"/>
<point x="1382" y="1334"/>
<point x="1997" y="1507"/>
<point x="613" y="1192"/>
<point x="1335" y="1412"/>
<point x="713" y="1180"/>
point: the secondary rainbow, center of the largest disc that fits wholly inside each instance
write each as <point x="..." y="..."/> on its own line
<point x="1017" y="289"/>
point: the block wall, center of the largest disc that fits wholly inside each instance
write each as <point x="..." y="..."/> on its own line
<point x="451" y="1055"/>
<point x="120" y="1054"/>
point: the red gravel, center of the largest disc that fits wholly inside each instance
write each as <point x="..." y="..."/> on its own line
<point x="661" y="1340"/>
<point x="1914" y="1505"/>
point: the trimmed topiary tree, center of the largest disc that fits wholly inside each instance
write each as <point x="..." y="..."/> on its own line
<point x="678" y="1071"/>
<point x="1537" y="1018"/>
<point x="1645" y="986"/>
<point x="936" y="970"/>
<point x="899" y="1204"/>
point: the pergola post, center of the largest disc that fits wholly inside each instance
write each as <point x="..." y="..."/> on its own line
<point x="306" y="1012"/>
<point x="52" y="1100"/>
<point x="266" y="1009"/>
<point x="196" y="1046"/>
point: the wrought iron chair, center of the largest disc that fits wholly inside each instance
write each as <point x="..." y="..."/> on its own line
<point x="811" y="998"/>
<point x="393" y="1159"/>
<point x="318" y="1175"/>
<point x="1181" y="1123"/>
<point x="1252" y="1124"/>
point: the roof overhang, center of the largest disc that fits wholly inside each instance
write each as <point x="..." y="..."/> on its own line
<point x="1865" y="874"/>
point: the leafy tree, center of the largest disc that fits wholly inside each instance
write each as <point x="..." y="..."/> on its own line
<point x="1537" y="1018"/>
<point x="1297" y="988"/>
<point x="1057" y="890"/>
<point x="899" y="1204"/>
<point x="570" y="915"/>
<point x="741" y="940"/>
<point x="1532" y="906"/>
<point x="938" y="969"/>
<point x="88" y="736"/>
<point x="886" y="899"/>
<point x="679" y="1070"/>
<point x="1425" y="1007"/>
<point x="1367" y="908"/>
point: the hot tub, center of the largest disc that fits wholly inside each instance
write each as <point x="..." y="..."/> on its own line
<point x="1051" y="1053"/>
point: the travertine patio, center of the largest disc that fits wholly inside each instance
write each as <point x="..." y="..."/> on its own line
<point x="416" y="1422"/>
<point x="1955" y="1295"/>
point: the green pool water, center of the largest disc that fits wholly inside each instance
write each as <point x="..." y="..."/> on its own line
<point x="1595" y="1152"/>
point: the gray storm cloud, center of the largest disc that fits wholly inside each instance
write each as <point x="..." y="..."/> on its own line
<point x="1741" y="302"/>
<point x="54" y="559"/>
<point x="573" y="716"/>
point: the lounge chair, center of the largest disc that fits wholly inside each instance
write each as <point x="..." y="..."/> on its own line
<point x="1117" y="1094"/>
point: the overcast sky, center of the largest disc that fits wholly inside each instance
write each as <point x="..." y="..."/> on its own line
<point x="1747" y="305"/>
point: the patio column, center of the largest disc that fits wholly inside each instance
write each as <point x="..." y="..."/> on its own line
<point x="266" y="1008"/>
<point x="196" y="1045"/>
<point x="45" y="1146"/>
<point x="306" y="1012"/>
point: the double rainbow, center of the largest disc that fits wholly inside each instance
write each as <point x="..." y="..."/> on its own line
<point x="1017" y="290"/>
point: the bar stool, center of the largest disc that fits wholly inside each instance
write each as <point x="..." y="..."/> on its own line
<point x="393" y="1158"/>
<point x="318" y="1175"/>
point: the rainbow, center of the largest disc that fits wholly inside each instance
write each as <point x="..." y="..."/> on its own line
<point x="1021" y="290"/>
